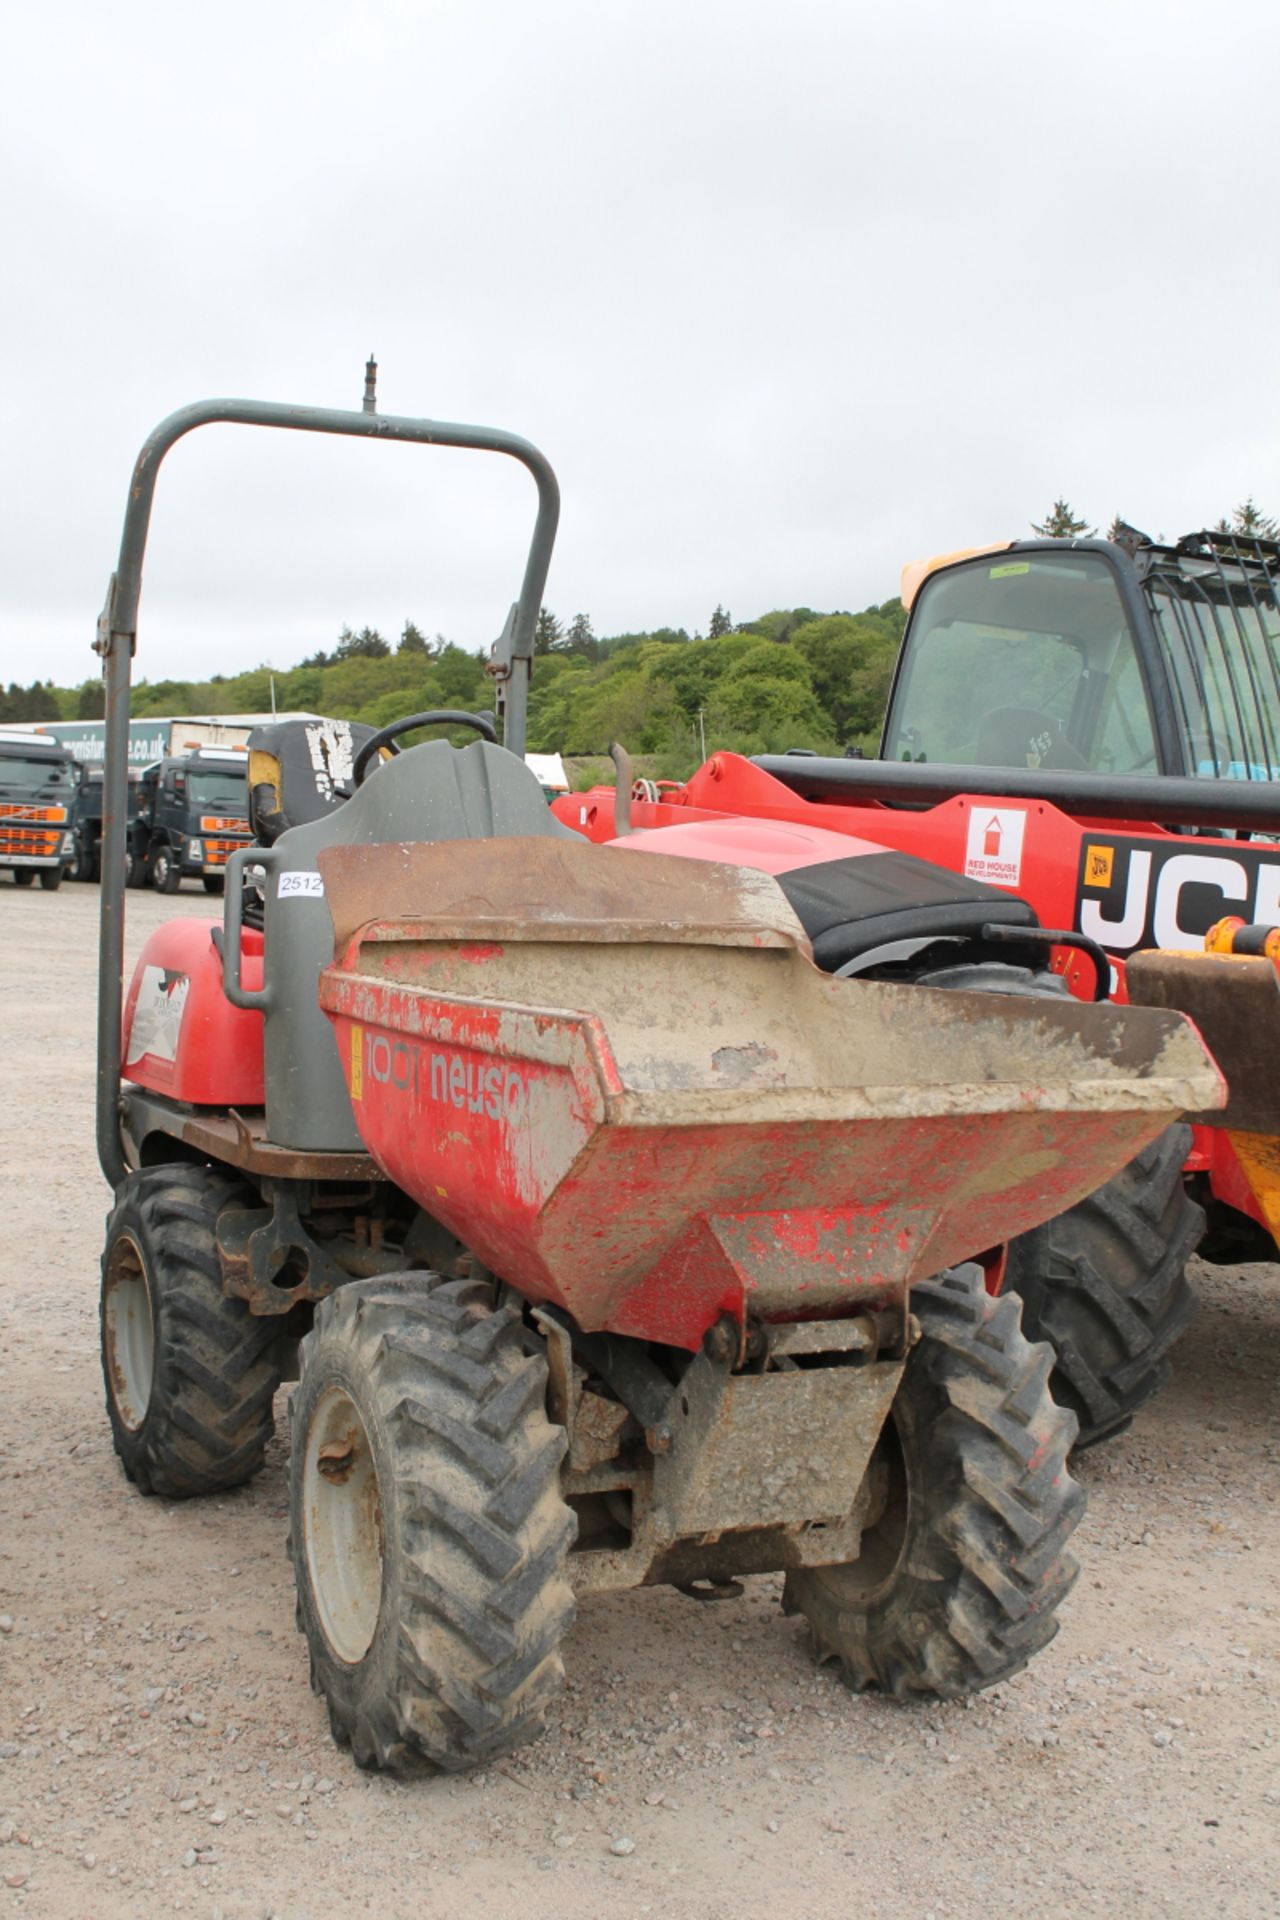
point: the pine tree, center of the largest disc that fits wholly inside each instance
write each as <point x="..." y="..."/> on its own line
<point x="547" y="634"/>
<point x="413" y="640"/>
<point x="721" y="623"/>
<point x="581" y="637"/>
<point x="1250" y="522"/>
<point x="1061" y="524"/>
<point x="368" y="644"/>
<point x="92" y="702"/>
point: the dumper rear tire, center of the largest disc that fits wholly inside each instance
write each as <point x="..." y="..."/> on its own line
<point x="965" y="1564"/>
<point x="427" y="1529"/>
<point x="190" y="1373"/>
<point x="1106" y="1284"/>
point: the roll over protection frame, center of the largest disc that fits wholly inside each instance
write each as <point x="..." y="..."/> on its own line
<point x="117" y="640"/>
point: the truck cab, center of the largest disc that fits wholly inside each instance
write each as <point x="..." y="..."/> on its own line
<point x="193" y="811"/>
<point x="88" y="820"/>
<point x="38" y="784"/>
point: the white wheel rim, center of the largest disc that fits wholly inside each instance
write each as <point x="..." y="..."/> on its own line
<point x="342" y="1519"/>
<point x="129" y="1332"/>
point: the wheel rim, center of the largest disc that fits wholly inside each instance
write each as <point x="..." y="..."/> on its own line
<point x="129" y="1332"/>
<point x="342" y="1517"/>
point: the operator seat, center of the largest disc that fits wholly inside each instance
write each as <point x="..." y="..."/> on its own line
<point x="429" y="792"/>
<point x="1025" y="737"/>
<point x="300" y="770"/>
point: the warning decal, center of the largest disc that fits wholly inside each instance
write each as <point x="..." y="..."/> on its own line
<point x="994" y="849"/>
<point x="157" y="1015"/>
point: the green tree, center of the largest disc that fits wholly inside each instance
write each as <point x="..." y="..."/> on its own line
<point x="581" y="638"/>
<point x="41" y="702"/>
<point x="413" y="640"/>
<point x="91" y="702"/>
<point x="547" y="633"/>
<point x="1061" y="524"/>
<point x="721" y="623"/>
<point x="1248" y="520"/>
<point x="368" y="644"/>
<point x="850" y="659"/>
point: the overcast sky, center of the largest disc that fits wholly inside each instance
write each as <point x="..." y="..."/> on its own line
<point x="788" y="296"/>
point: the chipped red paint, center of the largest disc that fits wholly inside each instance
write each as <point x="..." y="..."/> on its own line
<point x="514" y="1128"/>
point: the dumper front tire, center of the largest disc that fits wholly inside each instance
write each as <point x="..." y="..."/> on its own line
<point x="190" y="1373"/>
<point x="1106" y="1283"/>
<point x="427" y="1529"/>
<point x="965" y="1564"/>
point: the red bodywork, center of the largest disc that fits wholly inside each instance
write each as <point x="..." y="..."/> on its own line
<point x="1050" y="869"/>
<point x="182" y="1036"/>
<point x="624" y="1084"/>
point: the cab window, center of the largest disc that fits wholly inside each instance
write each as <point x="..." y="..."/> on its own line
<point x="1022" y="663"/>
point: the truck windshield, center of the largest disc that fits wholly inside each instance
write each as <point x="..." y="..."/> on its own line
<point x="1024" y="662"/>
<point x="1219" y="626"/>
<point x="18" y="775"/>
<point x="225" y="791"/>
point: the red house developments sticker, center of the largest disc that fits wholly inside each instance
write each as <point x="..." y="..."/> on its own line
<point x="994" y="848"/>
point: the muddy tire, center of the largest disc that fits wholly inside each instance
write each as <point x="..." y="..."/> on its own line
<point x="427" y="1529"/>
<point x="190" y="1373"/>
<point x="963" y="1569"/>
<point x="1106" y="1284"/>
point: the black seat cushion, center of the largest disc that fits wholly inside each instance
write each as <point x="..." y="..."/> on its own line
<point x="848" y="907"/>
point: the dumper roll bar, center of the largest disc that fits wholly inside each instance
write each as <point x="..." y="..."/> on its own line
<point x="117" y="640"/>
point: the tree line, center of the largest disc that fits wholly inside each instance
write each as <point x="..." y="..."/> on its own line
<point x="791" y="677"/>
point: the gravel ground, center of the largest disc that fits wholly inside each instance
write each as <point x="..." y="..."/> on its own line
<point x="160" y="1750"/>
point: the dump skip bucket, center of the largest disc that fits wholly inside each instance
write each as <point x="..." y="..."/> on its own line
<point x="624" y="1084"/>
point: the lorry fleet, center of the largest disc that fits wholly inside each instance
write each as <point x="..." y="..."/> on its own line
<point x="188" y="799"/>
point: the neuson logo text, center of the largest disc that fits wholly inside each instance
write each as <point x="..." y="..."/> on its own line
<point x="466" y="1082"/>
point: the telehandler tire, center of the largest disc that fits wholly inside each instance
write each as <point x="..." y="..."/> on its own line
<point x="1105" y="1283"/>
<point x="965" y="1564"/>
<point x="427" y="1530"/>
<point x="23" y="876"/>
<point x="51" y="878"/>
<point x="190" y="1373"/>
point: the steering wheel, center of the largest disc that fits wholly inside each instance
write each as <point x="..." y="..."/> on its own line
<point x="484" y="724"/>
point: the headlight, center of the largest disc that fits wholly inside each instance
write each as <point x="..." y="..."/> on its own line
<point x="68" y="845"/>
<point x="195" y="849"/>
